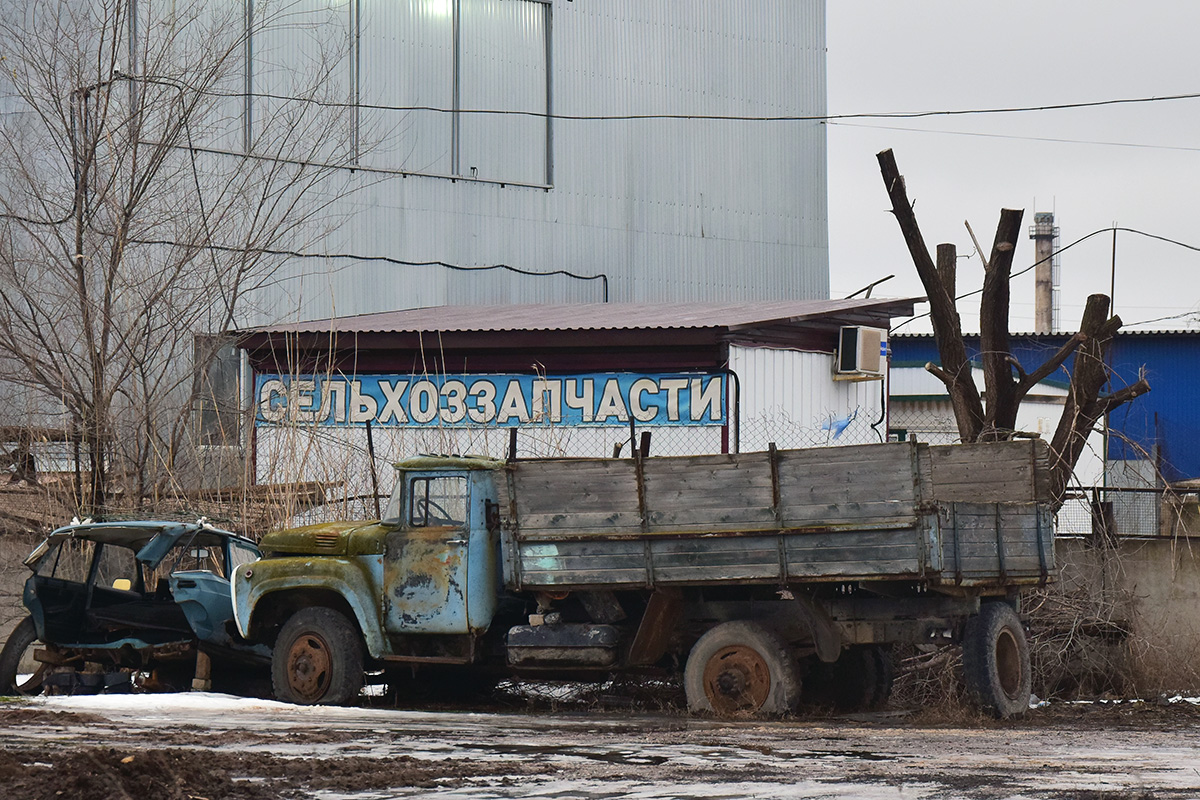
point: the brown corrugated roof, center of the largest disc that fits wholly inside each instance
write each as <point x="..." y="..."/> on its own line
<point x="598" y="316"/>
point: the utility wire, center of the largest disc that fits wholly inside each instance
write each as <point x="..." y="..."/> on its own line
<point x="1193" y="313"/>
<point x="1080" y="240"/>
<point x="1021" y="138"/>
<point x="719" y="117"/>
<point x="599" y="276"/>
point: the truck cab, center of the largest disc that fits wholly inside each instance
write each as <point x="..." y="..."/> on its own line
<point x="440" y="565"/>
<point x="419" y="585"/>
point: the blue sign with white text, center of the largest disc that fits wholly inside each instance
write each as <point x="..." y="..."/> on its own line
<point x="604" y="398"/>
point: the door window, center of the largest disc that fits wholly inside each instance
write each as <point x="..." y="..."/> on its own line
<point x="437" y="502"/>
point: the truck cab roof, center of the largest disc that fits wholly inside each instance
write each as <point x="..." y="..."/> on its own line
<point x="429" y="462"/>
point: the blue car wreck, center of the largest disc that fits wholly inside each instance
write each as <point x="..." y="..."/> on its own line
<point x="117" y="606"/>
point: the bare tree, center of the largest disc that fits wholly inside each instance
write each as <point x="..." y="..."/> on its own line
<point x="146" y="187"/>
<point x="1006" y="382"/>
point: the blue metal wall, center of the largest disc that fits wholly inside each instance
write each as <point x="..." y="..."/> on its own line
<point x="1166" y="417"/>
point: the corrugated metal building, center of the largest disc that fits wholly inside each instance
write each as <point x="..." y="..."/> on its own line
<point x="570" y="379"/>
<point x="1160" y="427"/>
<point x="558" y="135"/>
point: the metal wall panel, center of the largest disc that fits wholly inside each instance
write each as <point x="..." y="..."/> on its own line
<point x="1165" y="418"/>
<point x="789" y="397"/>
<point x="405" y="60"/>
<point x="503" y="55"/>
<point x="299" y="54"/>
<point x="670" y="209"/>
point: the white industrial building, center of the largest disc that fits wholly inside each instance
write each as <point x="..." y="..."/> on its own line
<point x="658" y="151"/>
<point x="507" y="153"/>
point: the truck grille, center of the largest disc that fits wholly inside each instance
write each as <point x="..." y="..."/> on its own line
<point x="326" y="540"/>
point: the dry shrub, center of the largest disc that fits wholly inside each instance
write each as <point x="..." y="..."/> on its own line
<point x="1077" y="648"/>
<point x="929" y="681"/>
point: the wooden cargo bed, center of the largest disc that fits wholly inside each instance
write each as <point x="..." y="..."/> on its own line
<point x="958" y="515"/>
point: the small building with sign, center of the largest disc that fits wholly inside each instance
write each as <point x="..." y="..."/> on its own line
<point x="330" y="398"/>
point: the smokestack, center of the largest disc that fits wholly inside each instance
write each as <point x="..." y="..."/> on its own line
<point x="1045" y="283"/>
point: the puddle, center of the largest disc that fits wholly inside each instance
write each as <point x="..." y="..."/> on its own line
<point x="633" y="757"/>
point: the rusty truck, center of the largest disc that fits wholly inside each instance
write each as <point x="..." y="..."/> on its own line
<point x="760" y="578"/>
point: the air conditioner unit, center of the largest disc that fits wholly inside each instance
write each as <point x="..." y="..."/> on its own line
<point x="861" y="354"/>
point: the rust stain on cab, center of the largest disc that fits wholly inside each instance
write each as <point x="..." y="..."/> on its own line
<point x="425" y="573"/>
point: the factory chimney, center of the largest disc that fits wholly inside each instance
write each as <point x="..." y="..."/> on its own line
<point x="1046" y="277"/>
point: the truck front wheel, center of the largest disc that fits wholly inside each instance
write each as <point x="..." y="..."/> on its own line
<point x="741" y="669"/>
<point x="996" y="660"/>
<point x="318" y="658"/>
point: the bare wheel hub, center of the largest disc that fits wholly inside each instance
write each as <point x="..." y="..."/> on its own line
<point x="737" y="680"/>
<point x="309" y="667"/>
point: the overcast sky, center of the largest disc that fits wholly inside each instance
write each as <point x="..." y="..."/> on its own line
<point x="932" y="55"/>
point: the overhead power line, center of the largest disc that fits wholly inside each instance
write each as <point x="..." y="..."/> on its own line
<point x="1055" y="140"/>
<point x="652" y="116"/>
<point x="1080" y="240"/>
<point x="219" y="248"/>
<point x="1193" y="314"/>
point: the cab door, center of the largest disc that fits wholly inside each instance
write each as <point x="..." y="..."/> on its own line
<point x="426" y="557"/>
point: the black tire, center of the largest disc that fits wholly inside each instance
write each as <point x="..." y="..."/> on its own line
<point x="860" y="680"/>
<point x="996" y="661"/>
<point x="885" y="676"/>
<point x="741" y="669"/>
<point x="18" y="648"/>
<point x="318" y="659"/>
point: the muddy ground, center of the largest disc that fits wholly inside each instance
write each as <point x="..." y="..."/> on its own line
<point x="194" y="746"/>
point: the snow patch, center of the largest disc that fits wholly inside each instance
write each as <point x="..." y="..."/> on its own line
<point x="182" y="701"/>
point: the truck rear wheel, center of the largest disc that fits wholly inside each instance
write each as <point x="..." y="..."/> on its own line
<point x="996" y="660"/>
<point x="318" y="659"/>
<point x="741" y="669"/>
<point x="16" y="661"/>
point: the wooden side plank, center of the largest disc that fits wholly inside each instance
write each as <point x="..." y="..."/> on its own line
<point x="753" y="559"/>
<point x="1013" y="471"/>
<point x="843" y="513"/>
<point x="709" y="493"/>
<point x="594" y="524"/>
<point x="988" y="544"/>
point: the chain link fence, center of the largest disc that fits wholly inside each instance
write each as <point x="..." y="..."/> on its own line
<point x="757" y="433"/>
<point x="922" y="422"/>
<point x="356" y="462"/>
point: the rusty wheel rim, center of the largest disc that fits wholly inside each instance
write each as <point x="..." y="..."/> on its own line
<point x="1008" y="664"/>
<point x="737" y="681"/>
<point x="310" y="667"/>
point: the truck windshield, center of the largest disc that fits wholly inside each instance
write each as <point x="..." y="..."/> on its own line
<point x="440" y="501"/>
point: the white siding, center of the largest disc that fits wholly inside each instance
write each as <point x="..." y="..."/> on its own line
<point x="670" y="209"/>
<point x="790" y="398"/>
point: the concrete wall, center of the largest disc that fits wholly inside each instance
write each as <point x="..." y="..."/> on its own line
<point x="1147" y="587"/>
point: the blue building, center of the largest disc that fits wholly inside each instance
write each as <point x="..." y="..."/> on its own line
<point x="1162" y="427"/>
